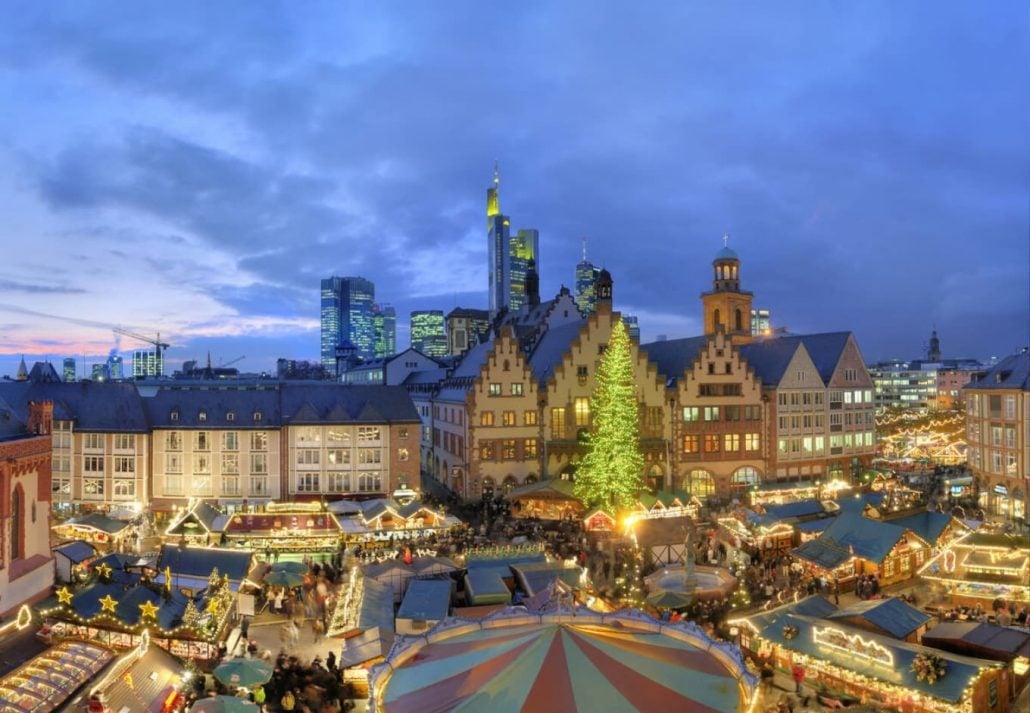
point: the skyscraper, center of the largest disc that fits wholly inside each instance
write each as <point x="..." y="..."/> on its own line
<point x="427" y="332"/>
<point x="384" y="320"/>
<point x="586" y="276"/>
<point x="69" y="369"/>
<point x="147" y="363"/>
<point x="347" y="315"/>
<point x="509" y="256"/>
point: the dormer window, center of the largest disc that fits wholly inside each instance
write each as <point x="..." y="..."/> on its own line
<point x="257" y="415"/>
<point x="202" y="416"/>
<point x="173" y="416"/>
<point x="230" y="416"/>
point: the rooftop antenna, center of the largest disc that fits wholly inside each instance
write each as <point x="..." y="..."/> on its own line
<point x="584" y="239"/>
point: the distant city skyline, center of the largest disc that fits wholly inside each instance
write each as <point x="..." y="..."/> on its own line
<point x="195" y="170"/>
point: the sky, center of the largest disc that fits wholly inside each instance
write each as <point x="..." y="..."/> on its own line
<point x="195" y="168"/>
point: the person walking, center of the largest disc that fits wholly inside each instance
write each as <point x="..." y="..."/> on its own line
<point x="797" y="672"/>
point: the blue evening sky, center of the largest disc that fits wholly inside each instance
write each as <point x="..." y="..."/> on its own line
<point x="195" y="168"/>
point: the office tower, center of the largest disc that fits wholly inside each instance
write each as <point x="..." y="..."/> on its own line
<point x="632" y="326"/>
<point x="69" y="369"/>
<point x="427" y="332"/>
<point x="586" y="276"/>
<point x="347" y="315"/>
<point x="99" y="372"/>
<point x="384" y="321"/>
<point x="147" y="363"/>
<point x="466" y="327"/>
<point x="760" y="323"/>
<point x="113" y="368"/>
<point x="508" y="255"/>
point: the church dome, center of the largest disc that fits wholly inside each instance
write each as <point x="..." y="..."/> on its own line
<point x="726" y="254"/>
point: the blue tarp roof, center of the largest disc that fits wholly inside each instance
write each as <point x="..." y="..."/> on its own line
<point x="928" y="525"/>
<point x="428" y="599"/>
<point x="892" y="616"/>
<point x="870" y="539"/>
<point x="76" y="550"/>
<point x="810" y="526"/>
<point x="199" y="561"/>
<point x="824" y="552"/>
<point x="801" y="508"/>
<point x="486" y="586"/>
<point x="857" y="504"/>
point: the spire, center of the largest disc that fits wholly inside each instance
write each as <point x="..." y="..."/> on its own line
<point x="497" y="174"/>
<point x="23" y="372"/>
<point x="493" y="199"/>
<point x="584" y="239"/>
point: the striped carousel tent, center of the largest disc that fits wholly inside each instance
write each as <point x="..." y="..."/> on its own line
<point x="518" y="661"/>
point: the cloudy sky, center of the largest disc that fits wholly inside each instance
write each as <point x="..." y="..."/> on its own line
<point x="195" y="168"/>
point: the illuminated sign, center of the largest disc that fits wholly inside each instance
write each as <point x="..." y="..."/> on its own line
<point x="1001" y="489"/>
<point x="853" y="645"/>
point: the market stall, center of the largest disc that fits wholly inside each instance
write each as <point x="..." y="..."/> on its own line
<point x="46" y="682"/>
<point x="551" y="499"/>
<point x="786" y="492"/>
<point x="71" y="560"/>
<point x="94" y="528"/>
<point x="200" y="523"/>
<point x="982" y="567"/>
<point x="285" y="528"/>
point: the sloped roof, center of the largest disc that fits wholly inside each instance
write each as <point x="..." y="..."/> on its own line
<point x="770" y="357"/>
<point x="549" y="488"/>
<point x="11" y="424"/>
<point x="218" y="404"/>
<point x="311" y="403"/>
<point x="824" y="551"/>
<point x="199" y="561"/>
<point x="674" y="356"/>
<point x="96" y="521"/>
<point x="472" y="360"/>
<point x="428" y="599"/>
<point x="94" y="406"/>
<point x="988" y="640"/>
<point x="76" y="550"/>
<point x="928" y="525"/>
<point x="1012" y="372"/>
<point x="892" y="616"/>
<point x="551" y="349"/>
<point x="800" y="508"/>
<point x="870" y="539"/>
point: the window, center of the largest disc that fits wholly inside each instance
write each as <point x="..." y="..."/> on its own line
<point x="1010" y="407"/>
<point x="173" y="484"/>
<point x="581" y="375"/>
<point x="124" y="488"/>
<point x="230" y="464"/>
<point x="310" y="436"/>
<point x="368" y="456"/>
<point x="337" y="456"/>
<point x="712" y="443"/>
<point x="368" y="434"/>
<point x="691" y="444"/>
<point x="486" y="450"/>
<point x="691" y="413"/>
<point x="806" y="444"/>
<point x="508" y="418"/>
<point x="230" y="416"/>
<point x="201" y="463"/>
<point x="338" y="482"/>
<point x="486" y="418"/>
<point x="711" y="413"/>
<point x="93" y="487"/>
<point x="508" y="449"/>
<point x="744" y="477"/>
<point x="258" y="441"/>
<point x="733" y="413"/>
<point x="753" y="413"/>
<point x="557" y="422"/>
<point x="230" y="441"/>
<point x="200" y="441"/>
<point x="402" y="432"/>
<point x="370" y="482"/>
<point x="529" y="418"/>
<point x="494" y="389"/>
<point x="336" y="435"/>
<point x="752" y="441"/>
<point x="230" y="485"/>
<point x="202" y="416"/>
<point x="256" y="417"/>
<point x="700" y="483"/>
<point x="173" y="463"/>
<point x="93" y="441"/>
<point x="258" y="485"/>
<point x="308" y="457"/>
<point x="93" y="464"/>
<point x="307" y="482"/>
<point x="402" y="454"/>
<point x="731" y="442"/>
<point x="516" y="389"/>
<point x="124" y="442"/>
<point x="124" y="464"/>
<point x="582" y="406"/>
<point x="529" y="449"/>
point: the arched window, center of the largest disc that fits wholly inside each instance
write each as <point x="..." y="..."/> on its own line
<point x="836" y="471"/>
<point x="568" y="472"/>
<point x="717" y="318"/>
<point x="700" y="483"/>
<point x="531" y="478"/>
<point x="738" y="321"/>
<point x="655" y="479"/>
<point x="743" y="478"/>
<point x="18" y="524"/>
<point x="509" y="484"/>
<point x="488" y="487"/>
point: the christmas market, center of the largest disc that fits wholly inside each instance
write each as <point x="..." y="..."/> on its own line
<point x="983" y="567"/>
<point x="47" y="681"/>
<point x="94" y="528"/>
<point x="551" y="499"/>
<point x="285" y="528"/>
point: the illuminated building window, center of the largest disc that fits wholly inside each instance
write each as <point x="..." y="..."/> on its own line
<point x="486" y="418"/>
<point x="691" y="444"/>
<point x="582" y="407"/>
<point x="508" y="418"/>
<point x="529" y="418"/>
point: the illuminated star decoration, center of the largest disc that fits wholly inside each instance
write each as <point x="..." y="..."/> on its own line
<point x="104" y="570"/>
<point x="64" y="595"/>
<point x="148" y="609"/>
<point x="108" y="603"/>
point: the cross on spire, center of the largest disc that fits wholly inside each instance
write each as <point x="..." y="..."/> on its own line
<point x="725" y="240"/>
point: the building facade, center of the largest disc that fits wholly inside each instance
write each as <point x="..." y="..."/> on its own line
<point x="428" y="334"/>
<point x="466" y="327"/>
<point x="998" y="435"/>
<point x="26" y="564"/>
<point x="347" y="315"/>
<point x="384" y="324"/>
<point x="509" y="256"/>
<point x="586" y="276"/>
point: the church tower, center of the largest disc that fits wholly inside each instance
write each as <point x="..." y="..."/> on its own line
<point x="934" y="352"/>
<point x="727" y="308"/>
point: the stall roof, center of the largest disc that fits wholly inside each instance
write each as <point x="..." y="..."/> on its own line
<point x="70" y="664"/>
<point x="154" y="676"/>
<point x="245" y="523"/>
<point x="204" y="514"/>
<point x="485" y="586"/>
<point x="870" y="539"/>
<point x="801" y="508"/>
<point x="428" y="599"/>
<point x="892" y="616"/>
<point x="856" y="504"/>
<point x="810" y="526"/>
<point x="928" y="525"/>
<point x="549" y="489"/>
<point x="366" y="646"/>
<point x="95" y="521"/>
<point x="824" y="551"/>
<point x="1001" y="643"/>
<point x="537" y="576"/>
<point x="76" y="551"/>
<point x="200" y="561"/>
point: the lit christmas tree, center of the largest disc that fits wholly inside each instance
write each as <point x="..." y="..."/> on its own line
<point x="611" y="472"/>
<point x="191" y="616"/>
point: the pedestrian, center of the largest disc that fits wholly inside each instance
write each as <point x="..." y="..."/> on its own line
<point x="289" y="701"/>
<point x="319" y="628"/>
<point x="797" y="672"/>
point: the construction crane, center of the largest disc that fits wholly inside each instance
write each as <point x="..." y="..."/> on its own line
<point x="232" y="361"/>
<point x="158" y="345"/>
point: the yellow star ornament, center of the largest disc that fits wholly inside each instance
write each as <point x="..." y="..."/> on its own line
<point x="104" y="570"/>
<point x="148" y="609"/>
<point x="64" y="595"/>
<point x="108" y="603"/>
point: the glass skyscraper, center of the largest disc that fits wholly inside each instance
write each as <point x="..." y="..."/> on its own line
<point x="347" y="314"/>
<point x="384" y="319"/>
<point x="509" y="256"/>
<point x="427" y="332"/>
<point x="586" y="276"/>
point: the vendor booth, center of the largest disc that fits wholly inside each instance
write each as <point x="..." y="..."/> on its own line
<point x="46" y="682"/>
<point x="285" y="528"/>
<point x="776" y="492"/>
<point x="94" y="528"/>
<point x="71" y="560"/>
<point x="551" y="499"/>
<point x="982" y="567"/>
<point x="200" y="523"/>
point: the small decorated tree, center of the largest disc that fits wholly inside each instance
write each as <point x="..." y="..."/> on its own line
<point x="191" y="616"/>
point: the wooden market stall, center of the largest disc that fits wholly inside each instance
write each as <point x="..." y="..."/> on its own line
<point x="46" y="682"/>
<point x="551" y="499"/>
<point x="200" y="523"/>
<point x="285" y="528"/>
<point x="982" y="567"/>
<point x="94" y="528"/>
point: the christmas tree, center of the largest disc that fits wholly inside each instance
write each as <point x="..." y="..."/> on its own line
<point x="191" y="616"/>
<point x="611" y="472"/>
